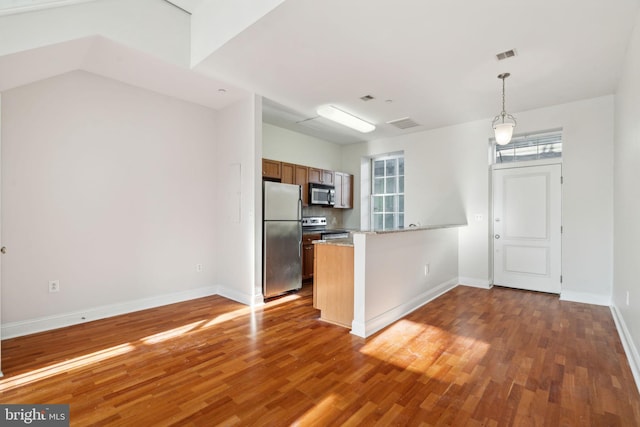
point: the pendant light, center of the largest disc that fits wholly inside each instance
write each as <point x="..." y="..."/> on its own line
<point x="503" y="128"/>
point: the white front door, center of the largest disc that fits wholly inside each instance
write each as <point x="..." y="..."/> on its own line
<point x="527" y="227"/>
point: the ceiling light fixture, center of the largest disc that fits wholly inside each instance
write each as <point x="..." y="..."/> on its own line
<point x="334" y="114"/>
<point x="503" y="129"/>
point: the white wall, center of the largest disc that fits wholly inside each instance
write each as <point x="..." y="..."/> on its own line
<point x="140" y="24"/>
<point x="389" y="274"/>
<point x="587" y="194"/>
<point x="627" y="202"/>
<point x="214" y="23"/>
<point x="108" y="188"/>
<point x="293" y="147"/>
<point x="447" y="181"/>
<point x="238" y="181"/>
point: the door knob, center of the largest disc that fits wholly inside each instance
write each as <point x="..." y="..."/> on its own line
<point x="497" y="236"/>
<point x="3" y="249"/>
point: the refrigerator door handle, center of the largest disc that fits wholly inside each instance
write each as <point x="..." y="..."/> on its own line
<point x="300" y="228"/>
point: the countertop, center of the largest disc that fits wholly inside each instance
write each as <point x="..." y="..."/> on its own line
<point x="335" y="242"/>
<point x="410" y="228"/>
<point x="349" y="241"/>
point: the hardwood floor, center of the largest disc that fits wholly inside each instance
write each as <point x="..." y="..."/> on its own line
<point x="472" y="357"/>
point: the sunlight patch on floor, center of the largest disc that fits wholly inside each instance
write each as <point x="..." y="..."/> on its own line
<point x="418" y="347"/>
<point x="248" y="310"/>
<point x="314" y="415"/>
<point x="62" y="367"/>
<point x="38" y="374"/>
<point x="171" y="333"/>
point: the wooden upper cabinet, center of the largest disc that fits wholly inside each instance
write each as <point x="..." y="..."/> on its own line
<point x="344" y="190"/>
<point x="297" y="174"/>
<point x="321" y="176"/>
<point x="271" y="169"/>
<point x="328" y="177"/>
<point x="288" y="172"/>
<point x="315" y="175"/>
<point x="301" y="174"/>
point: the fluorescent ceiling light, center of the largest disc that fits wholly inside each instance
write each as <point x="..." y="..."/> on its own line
<point x="332" y="113"/>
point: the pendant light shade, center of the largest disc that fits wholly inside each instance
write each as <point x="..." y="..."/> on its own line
<point x="503" y="123"/>
<point x="504" y="132"/>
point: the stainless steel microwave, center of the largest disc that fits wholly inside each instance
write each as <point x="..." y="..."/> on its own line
<point x="320" y="194"/>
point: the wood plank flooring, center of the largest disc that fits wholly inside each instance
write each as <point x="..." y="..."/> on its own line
<point x="472" y="357"/>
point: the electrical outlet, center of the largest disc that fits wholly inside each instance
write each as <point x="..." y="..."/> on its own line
<point x="198" y="268"/>
<point x="627" y="298"/>
<point x="426" y="269"/>
<point x="54" y="286"/>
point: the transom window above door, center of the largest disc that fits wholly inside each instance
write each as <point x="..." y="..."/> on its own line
<point x="537" y="146"/>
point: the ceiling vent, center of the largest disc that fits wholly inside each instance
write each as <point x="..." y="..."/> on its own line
<point x="367" y="98"/>
<point x="404" y="123"/>
<point x="507" y="54"/>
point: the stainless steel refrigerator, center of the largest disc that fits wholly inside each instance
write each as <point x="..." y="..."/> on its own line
<point x="282" y="238"/>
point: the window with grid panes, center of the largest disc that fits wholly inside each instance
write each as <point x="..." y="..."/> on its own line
<point x="387" y="192"/>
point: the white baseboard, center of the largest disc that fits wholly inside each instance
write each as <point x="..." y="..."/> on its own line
<point x="585" y="298"/>
<point x="246" y="299"/>
<point x="630" y="348"/>
<point x="475" y="283"/>
<point x="372" y="326"/>
<point x="31" y="326"/>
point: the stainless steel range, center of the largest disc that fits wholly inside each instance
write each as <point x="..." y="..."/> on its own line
<point x="318" y="224"/>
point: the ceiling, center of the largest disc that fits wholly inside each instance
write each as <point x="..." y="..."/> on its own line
<point x="104" y="57"/>
<point x="432" y="61"/>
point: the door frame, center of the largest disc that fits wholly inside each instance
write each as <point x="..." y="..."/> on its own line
<point x="518" y="165"/>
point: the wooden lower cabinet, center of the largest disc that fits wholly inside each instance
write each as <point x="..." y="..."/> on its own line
<point x="333" y="283"/>
<point x="308" y="255"/>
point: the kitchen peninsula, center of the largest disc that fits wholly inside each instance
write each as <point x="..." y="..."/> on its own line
<point x="374" y="278"/>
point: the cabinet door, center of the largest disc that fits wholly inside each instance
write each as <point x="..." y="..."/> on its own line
<point x="302" y="179"/>
<point x="308" y="255"/>
<point x="271" y="169"/>
<point x="344" y="190"/>
<point x="339" y="176"/>
<point x="327" y="177"/>
<point x="320" y="176"/>
<point x="347" y="191"/>
<point x="288" y="173"/>
<point x="315" y="175"/>
<point x="307" y="261"/>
